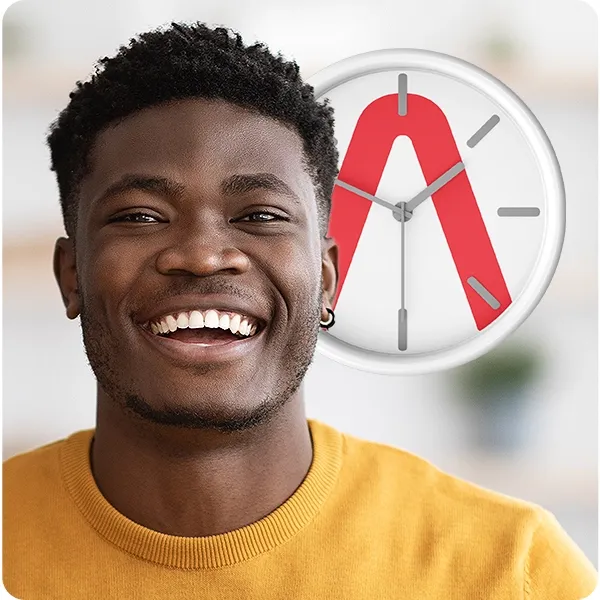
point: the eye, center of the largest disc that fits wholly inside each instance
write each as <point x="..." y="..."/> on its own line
<point x="138" y="217"/>
<point x="263" y="216"/>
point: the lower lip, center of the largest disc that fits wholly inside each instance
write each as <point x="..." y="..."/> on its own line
<point x="202" y="353"/>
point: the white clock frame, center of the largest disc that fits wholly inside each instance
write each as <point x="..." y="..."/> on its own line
<point x="402" y="60"/>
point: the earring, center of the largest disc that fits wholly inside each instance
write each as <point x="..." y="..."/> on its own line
<point x="331" y="320"/>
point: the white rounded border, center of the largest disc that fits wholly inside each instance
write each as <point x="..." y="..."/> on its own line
<point x="425" y="60"/>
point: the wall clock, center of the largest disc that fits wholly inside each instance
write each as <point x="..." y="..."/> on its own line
<point x="448" y="209"/>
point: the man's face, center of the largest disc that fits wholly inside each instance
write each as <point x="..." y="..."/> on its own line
<point x="201" y="244"/>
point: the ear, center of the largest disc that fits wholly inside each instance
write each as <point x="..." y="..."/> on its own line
<point x="330" y="273"/>
<point x="65" y="273"/>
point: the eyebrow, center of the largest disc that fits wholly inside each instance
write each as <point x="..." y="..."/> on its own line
<point x="158" y="185"/>
<point x="234" y="185"/>
<point x="240" y="184"/>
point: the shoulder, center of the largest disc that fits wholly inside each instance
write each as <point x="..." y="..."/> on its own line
<point x="34" y="474"/>
<point x="399" y="471"/>
<point x="555" y="567"/>
<point x="31" y="483"/>
<point x="19" y="466"/>
<point x="473" y="528"/>
<point x="34" y="494"/>
<point x="37" y="458"/>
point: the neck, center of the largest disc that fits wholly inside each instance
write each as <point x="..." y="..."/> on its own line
<point x="197" y="483"/>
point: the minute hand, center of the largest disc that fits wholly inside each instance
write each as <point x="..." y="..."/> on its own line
<point x="368" y="196"/>
<point x="435" y="186"/>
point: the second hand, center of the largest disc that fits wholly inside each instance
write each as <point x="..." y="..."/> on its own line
<point x="402" y="314"/>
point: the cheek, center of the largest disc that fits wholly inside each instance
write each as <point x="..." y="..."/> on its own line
<point x="110" y="269"/>
<point x="297" y="274"/>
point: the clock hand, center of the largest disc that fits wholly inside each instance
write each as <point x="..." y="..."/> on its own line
<point x="435" y="186"/>
<point x="402" y="314"/>
<point x="398" y="211"/>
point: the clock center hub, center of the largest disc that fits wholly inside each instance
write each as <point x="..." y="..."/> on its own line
<point x="407" y="214"/>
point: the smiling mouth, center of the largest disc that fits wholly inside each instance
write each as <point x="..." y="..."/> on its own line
<point x="203" y="337"/>
<point x="212" y="327"/>
<point x="206" y="348"/>
<point x="191" y="346"/>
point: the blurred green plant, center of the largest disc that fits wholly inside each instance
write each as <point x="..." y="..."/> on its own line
<point x="500" y="47"/>
<point x="497" y="388"/>
<point x="499" y="374"/>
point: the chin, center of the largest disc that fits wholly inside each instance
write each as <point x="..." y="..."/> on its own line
<point x="195" y="412"/>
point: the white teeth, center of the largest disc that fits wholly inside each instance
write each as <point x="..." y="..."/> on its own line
<point x="196" y="320"/>
<point x="224" y="321"/>
<point x="211" y="319"/>
<point x="244" y="327"/>
<point x="234" y="324"/>
<point x="183" y="321"/>
<point x="171" y="322"/>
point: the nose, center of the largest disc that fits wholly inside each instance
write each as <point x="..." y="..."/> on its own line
<point x="201" y="249"/>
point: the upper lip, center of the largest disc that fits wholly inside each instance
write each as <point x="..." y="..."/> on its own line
<point x="179" y="304"/>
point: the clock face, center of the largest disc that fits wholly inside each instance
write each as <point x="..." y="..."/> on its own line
<point x="448" y="211"/>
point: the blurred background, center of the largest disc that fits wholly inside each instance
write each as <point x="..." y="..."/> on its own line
<point x="521" y="420"/>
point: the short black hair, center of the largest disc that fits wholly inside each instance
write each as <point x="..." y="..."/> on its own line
<point x="185" y="61"/>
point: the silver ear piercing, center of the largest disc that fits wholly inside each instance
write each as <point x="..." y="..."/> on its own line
<point x="330" y="322"/>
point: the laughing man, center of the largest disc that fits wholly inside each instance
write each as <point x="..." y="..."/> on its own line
<point x="195" y="175"/>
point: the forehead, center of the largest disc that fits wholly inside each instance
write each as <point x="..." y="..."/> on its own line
<point x="197" y="141"/>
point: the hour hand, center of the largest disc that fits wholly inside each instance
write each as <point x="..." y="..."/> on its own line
<point x="368" y="196"/>
<point x="432" y="188"/>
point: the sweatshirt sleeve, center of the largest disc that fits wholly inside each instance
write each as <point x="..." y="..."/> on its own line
<point x="556" y="568"/>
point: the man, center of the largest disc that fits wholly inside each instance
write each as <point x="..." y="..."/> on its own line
<point x="195" y="176"/>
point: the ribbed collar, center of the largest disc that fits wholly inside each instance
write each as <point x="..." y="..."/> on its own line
<point x="212" y="551"/>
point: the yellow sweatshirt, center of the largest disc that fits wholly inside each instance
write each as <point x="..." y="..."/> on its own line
<point x="369" y="521"/>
